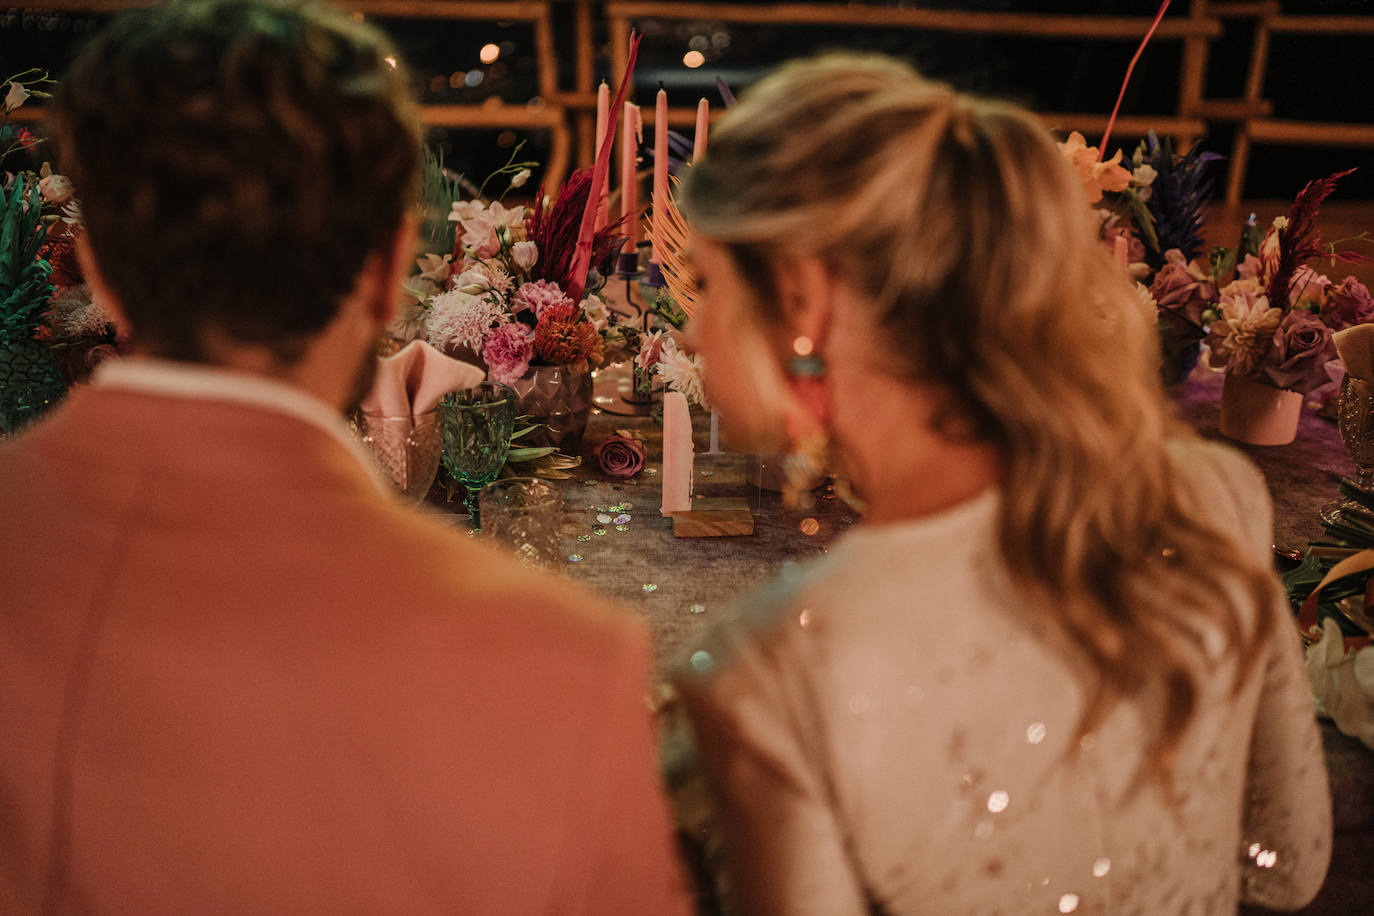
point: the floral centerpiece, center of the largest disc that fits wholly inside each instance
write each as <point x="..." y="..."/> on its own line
<point x="52" y="331"/>
<point x="1273" y="323"/>
<point x="1151" y="217"/>
<point x="501" y="299"/>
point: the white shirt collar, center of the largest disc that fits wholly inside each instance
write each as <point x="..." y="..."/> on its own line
<point x="212" y="383"/>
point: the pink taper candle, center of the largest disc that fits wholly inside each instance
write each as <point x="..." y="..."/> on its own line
<point x="703" y="119"/>
<point x="677" y="454"/>
<point x="1122" y="252"/>
<point x="630" y="133"/>
<point x="660" y="173"/>
<point x="603" y="115"/>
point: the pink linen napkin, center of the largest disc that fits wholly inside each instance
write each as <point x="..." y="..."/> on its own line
<point x="412" y="381"/>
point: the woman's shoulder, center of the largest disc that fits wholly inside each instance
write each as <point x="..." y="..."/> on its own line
<point x="1228" y="487"/>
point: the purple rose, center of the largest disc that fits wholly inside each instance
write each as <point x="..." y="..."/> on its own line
<point x="1302" y="348"/>
<point x="1177" y="291"/>
<point x="622" y="455"/>
<point x="1348" y="304"/>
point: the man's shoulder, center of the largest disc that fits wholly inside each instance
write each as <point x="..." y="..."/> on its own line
<point x="459" y="575"/>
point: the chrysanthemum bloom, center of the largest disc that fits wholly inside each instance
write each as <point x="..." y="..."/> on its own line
<point x="461" y="320"/>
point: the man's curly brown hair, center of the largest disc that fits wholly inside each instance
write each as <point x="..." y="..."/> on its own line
<point x="237" y="162"/>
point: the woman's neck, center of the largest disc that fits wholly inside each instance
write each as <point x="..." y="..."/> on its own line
<point x="895" y="458"/>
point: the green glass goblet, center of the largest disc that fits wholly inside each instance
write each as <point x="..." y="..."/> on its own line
<point x="477" y="426"/>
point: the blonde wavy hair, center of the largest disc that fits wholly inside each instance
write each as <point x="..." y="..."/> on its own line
<point x="958" y="219"/>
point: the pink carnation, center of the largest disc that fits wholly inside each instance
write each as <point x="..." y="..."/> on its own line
<point x="507" y="352"/>
<point x="539" y="295"/>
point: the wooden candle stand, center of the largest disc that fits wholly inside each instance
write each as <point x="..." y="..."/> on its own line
<point x="714" y="517"/>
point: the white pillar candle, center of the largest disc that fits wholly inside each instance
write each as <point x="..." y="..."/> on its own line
<point x="677" y="454"/>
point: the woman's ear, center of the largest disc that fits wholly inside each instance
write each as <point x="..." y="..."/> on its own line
<point x="807" y="288"/>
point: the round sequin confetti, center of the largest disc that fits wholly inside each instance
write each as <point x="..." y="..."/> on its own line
<point x="622" y="527"/>
<point x="650" y="587"/>
<point x="599" y="532"/>
<point x="702" y="662"/>
<point x="584" y="537"/>
<point x="650" y="472"/>
<point x="622" y="519"/>
<point x="1035" y="733"/>
<point x="627" y="506"/>
<point x="589" y="483"/>
<point x="804" y="619"/>
<point x="1101" y="867"/>
<point x="1068" y="903"/>
<point x="997" y="801"/>
<point x="810" y="526"/>
<point x="708" y="473"/>
<point x="846" y="520"/>
<point x="697" y="609"/>
<point x="604" y="519"/>
<point x="575" y="558"/>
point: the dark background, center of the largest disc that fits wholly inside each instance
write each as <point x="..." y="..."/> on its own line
<point x="1309" y="78"/>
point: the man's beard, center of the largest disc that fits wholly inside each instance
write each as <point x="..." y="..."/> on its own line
<point x="363" y="378"/>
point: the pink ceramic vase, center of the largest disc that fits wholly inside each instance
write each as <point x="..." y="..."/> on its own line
<point x="1258" y="414"/>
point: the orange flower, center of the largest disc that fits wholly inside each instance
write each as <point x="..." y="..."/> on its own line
<point x="1095" y="176"/>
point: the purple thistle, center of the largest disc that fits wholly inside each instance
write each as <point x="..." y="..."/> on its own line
<point x="1178" y="197"/>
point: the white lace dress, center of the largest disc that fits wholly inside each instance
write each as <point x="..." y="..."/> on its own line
<point x="886" y="732"/>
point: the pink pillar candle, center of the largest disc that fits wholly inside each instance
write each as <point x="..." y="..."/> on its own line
<point x="677" y="454"/>
<point x="630" y="133"/>
<point x="703" y="119"/>
<point x="603" y="112"/>
<point x="660" y="173"/>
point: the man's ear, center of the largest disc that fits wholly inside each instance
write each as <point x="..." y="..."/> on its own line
<point x="807" y="290"/>
<point x="100" y="290"/>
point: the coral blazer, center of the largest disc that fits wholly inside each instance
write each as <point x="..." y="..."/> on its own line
<point x="235" y="676"/>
